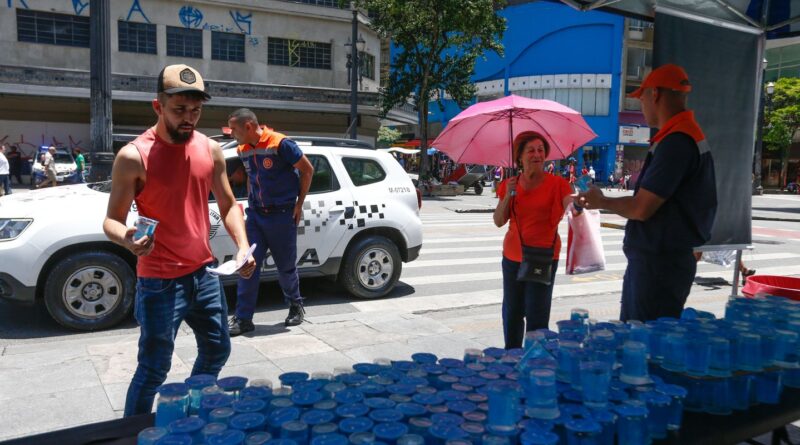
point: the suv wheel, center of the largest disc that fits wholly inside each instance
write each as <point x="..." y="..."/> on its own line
<point x="478" y="188"/>
<point x="90" y="290"/>
<point x="371" y="267"/>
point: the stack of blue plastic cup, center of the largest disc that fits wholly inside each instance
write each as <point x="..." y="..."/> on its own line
<point x="172" y="403"/>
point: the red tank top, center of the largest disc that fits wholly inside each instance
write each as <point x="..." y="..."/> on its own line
<point x="178" y="181"/>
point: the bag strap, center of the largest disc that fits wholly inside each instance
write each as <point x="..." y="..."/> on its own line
<point x="519" y="228"/>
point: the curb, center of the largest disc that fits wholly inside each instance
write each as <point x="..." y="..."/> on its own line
<point x="768" y="218"/>
<point x="609" y="225"/>
<point x="486" y="210"/>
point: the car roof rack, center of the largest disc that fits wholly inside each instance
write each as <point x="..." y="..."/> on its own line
<point x="331" y="142"/>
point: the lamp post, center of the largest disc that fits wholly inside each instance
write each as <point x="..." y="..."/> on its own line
<point x="354" y="73"/>
<point x="767" y="91"/>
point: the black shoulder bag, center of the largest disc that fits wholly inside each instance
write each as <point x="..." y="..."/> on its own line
<point x="537" y="262"/>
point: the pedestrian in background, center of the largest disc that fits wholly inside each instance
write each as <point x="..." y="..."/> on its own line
<point x="533" y="204"/>
<point x="49" y="166"/>
<point x="80" y="164"/>
<point x="5" y="177"/>
<point x="14" y="163"/>
<point x="280" y="176"/>
<point x="169" y="171"/>
<point x="673" y="206"/>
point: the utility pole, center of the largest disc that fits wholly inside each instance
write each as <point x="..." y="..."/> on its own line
<point x="354" y="77"/>
<point x="102" y="155"/>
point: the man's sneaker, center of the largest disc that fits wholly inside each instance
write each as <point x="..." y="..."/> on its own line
<point x="239" y="326"/>
<point x="296" y="314"/>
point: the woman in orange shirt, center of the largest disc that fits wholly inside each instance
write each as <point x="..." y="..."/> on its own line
<point x="539" y="202"/>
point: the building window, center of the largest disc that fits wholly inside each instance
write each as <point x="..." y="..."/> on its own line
<point x="298" y="53"/>
<point x="367" y="65"/>
<point x="136" y="37"/>
<point x="227" y="46"/>
<point x="55" y="29"/>
<point x="184" y="42"/>
<point x="639" y="60"/>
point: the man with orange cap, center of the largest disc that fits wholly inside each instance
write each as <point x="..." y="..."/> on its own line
<point x="673" y="206"/>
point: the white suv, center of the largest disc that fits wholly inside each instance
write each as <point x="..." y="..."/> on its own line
<point x="360" y="223"/>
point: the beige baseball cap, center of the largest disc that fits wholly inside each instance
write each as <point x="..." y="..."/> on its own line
<point x="181" y="78"/>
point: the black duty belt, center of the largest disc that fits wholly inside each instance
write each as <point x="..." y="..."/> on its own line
<point x="272" y="209"/>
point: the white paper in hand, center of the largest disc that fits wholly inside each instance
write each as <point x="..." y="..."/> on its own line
<point x="231" y="267"/>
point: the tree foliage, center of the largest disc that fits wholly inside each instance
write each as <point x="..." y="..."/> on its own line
<point x="782" y="119"/>
<point x="437" y="43"/>
<point x="387" y="136"/>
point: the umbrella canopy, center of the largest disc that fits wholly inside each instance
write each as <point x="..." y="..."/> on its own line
<point x="484" y="132"/>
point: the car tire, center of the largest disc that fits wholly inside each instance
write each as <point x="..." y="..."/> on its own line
<point x="364" y="271"/>
<point x="478" y="188"/>
<point x="90" y="290"/>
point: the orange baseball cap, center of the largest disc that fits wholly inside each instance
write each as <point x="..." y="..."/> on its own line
<point x="668" y="76"/>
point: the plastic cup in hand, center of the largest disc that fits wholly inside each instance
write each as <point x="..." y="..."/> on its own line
<point x="634" y="363"/>
<point x="542" y="395"/>
<point x="144" y="227"/>
<point x="595" y="378"/>
<point x="583" y="183"/>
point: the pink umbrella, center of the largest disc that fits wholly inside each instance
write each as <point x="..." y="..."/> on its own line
<point x="484" y="132"/>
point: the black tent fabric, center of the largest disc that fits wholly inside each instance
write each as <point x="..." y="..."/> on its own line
<point x="723" y="66"/>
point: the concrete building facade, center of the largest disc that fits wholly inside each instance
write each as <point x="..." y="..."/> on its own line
<point x="286" y="60"/>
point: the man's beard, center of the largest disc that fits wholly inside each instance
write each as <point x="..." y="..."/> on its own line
<point x="177" y="136"/>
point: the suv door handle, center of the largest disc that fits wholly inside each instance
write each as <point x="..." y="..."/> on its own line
<point x="336" y="209"/>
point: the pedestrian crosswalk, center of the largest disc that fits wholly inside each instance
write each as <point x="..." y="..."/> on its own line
<point x="459" y="264"/>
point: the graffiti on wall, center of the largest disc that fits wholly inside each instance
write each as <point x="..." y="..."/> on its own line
<point x="29" y="148"/>
<point x="136" y="7"/>
<point x="22" y="3"/>
<point x="79" y="6"/>
<point x="241" y="22"/>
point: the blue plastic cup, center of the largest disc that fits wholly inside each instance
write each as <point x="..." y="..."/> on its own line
<point x="389" y="432"/>
<point x="411" y="439"/>
<point x="583" y="432"/>
<point x="227" y="437"/>
<point x="542" y="395"/>
<point x="698" y="355"/>
<point x="768" y="387"/>
<point x="632" y="427"/>
<point x="196" y="384"/>
<point x="608" y="422"/>
<point x="248" y="422"/>
<point x="232" y="385"/>
<point x="719" y="364"/>
<point x="221" y="415"/>
<point x="538" y="438"/>
<point x="503" y="403"/>
<point x="791" y="378"/>
<point x="748" y="352"/>
<point x="579" y="314"/>
<point x="658" y="412"/>
<point x="677" y="395"/>
<point x="149" y="436"/>
<point x="786" y="348"/>
<point x="675" y="352"/>
<point x="172" y="403"/>
<point x="472" y="355"/>
<point x="324" y="428"/>
<point x="634" y="363"/>
<point x="717" y="399"/>
<point x="595" y="379"/>
<point x="257" y="438"/>
<point x="567" y="355"/>
<point x="741" y="387"/>
<point x="213" y="428"/>
<point x="296" y="430"/>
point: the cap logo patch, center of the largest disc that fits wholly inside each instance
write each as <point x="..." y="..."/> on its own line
<point x="187" y="76"/>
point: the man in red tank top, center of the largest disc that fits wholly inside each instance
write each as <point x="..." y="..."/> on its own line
<point x="169" y="171"/>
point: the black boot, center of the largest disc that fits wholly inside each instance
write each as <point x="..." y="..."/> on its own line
<point x="239" y="326"/>
<point x="296" y="314"/>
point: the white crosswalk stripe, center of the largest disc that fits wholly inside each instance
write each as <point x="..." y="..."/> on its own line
<point x="455" y="269"/>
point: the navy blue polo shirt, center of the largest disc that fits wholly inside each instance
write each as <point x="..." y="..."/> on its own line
<point x="273" y="179"/>
<point x="681" y="173"/>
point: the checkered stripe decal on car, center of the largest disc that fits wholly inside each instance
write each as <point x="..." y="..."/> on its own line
<point x="316" y="215"/>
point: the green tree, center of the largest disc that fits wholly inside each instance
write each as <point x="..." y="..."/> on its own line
<point x="438" y="43"/>
<point x="387" y="136"/>
<point x="783" y="120"/>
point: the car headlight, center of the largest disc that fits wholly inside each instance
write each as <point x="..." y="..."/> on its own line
<point x="10" y="228"/>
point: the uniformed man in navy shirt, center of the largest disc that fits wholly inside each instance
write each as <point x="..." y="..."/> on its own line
<point x="673" y="206"/>
<point x="279" y="176"/>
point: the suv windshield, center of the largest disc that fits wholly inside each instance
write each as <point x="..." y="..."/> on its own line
<point x="64" y="158"/>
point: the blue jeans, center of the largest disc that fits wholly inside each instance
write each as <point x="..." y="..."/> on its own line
<point x="656" y="285"/>
<point x="161" y="305"/>
<point x="526" y="305"/>
<point x="5" y="183"/>
<point x="277" y="232"/>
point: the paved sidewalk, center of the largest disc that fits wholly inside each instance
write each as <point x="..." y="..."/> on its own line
<point x="49" y="385"/>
